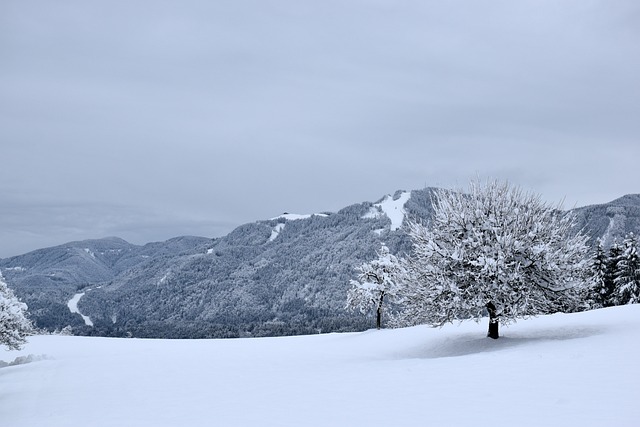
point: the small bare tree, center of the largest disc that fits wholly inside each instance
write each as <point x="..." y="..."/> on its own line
<point x="375" y="282"/>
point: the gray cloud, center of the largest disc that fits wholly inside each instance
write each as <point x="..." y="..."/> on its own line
<point x="154" y="119"/>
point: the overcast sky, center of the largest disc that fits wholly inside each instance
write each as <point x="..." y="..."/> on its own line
<point x="153" y="119"/>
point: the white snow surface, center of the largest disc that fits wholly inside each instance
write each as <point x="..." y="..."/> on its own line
<point x="73" y="307"/>
<point x="276" y="231"/>
<point x="294" y="217"/>
<point x="91" y="254"/>
<point x="164" y="278"/>
<point x="393" y="209"/>
<point x="570" y="370"/>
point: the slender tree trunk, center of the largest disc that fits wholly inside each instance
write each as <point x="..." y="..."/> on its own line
<point x="379" y="311"/>
<point x="493" y="321"/>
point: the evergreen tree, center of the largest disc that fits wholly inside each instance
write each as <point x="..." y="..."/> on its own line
<point x="612" y="271"/>
<point x="14" y="325"/>
<point x="601" y="290"/>
<point x="627" y="274"/>
<point x="495" y="249"/>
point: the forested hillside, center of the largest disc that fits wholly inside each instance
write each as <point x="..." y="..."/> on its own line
<point x="611" y="221"/>
<point x="282" y="276"/>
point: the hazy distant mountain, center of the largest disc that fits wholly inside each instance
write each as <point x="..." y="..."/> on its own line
<point x="611" y="220"/>
<point x="46" y="278"/>
<point x="285" y="275"/>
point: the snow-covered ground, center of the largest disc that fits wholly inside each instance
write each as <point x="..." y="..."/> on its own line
<point x="295" y="217"/>
<point x="561" y="370"/>
<point x="276" y="231"/>
<point x="73" y="307"/>
<point x="393" y="209"/>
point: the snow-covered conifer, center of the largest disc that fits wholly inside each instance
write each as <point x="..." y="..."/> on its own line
<point x="494" y="249"/>
<point x="627" y="273"/>
<point x="602" y="286"/>
<point x="376" y="281"/>
<point x="615" y="253"/>
<point x="14" y="325"/>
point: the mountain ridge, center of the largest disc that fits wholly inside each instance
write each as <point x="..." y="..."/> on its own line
<point x="281" y="276"/>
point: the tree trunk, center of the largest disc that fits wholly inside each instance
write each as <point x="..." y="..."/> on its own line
<point x="493" y="321"/>
<point x="379" y="311"/>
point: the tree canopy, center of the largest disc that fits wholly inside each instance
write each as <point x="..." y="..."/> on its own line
<point x="14" y="325"/>
<point x="375" y="282"/>
<point x="494" y="248"/>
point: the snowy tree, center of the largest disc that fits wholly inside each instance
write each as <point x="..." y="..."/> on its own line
<point x="601" y="289"/>
<point x="14" y="325"/>
<point x="612" y="271"/>
<point x="497" y="250"/>
<point x="627" y="273"/>
<point x="375" y="282"/>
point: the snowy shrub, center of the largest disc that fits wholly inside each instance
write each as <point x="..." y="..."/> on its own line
<point x="21" y="360"/>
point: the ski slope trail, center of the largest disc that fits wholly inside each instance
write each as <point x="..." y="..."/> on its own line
<point x="73" y="307"/>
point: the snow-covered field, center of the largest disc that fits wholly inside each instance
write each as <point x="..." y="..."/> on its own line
<point x="561" y="370"/>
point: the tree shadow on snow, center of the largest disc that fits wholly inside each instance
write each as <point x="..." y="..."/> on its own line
<point x="472" y="343"/>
